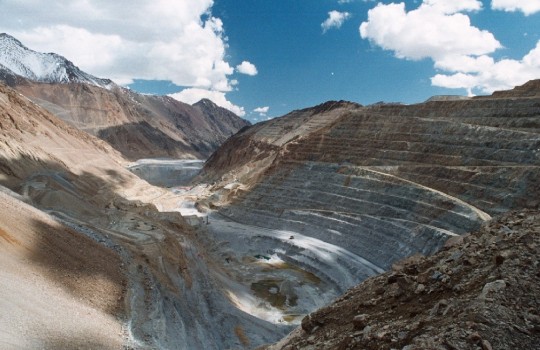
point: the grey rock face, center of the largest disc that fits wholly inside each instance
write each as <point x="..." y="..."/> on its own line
<point x="383" y="182"/>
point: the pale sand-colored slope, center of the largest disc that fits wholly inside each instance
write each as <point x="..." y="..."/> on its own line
<point x="59" y="290"/>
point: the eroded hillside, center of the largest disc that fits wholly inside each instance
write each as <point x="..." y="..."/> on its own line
<point x="286" y="217"/>
<point x="378" y="183"/>
<point x="80" y="235"/>
<point x="138" y="126"/>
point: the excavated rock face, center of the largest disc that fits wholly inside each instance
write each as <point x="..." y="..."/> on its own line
<point x="480" y="292"/>
<point x="384" y="181"/>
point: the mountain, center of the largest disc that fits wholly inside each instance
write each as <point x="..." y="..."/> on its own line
<point x="61" y="288"/>
<point x="42" y="67"/>
<point x="137" y="125"/>
<point x="86" y="259"/>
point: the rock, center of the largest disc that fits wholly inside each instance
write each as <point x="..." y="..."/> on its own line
<point x="474" y="337"/>
<point x="505" y="229"/>
<point x="455" y="256"/>
<point x="309" y="324"/>
<point x="367" y="332"/>
<point x="392" y="278"/>
<point x="441" y="308"/>
<point x="486" y="345"/>
<point x="453" y="242"/>
<point x="437" y="275"/>
<point x="420" y="288"/>
<point x="408" y="264"/>
<point x="360" y="321"/>
<point x="405" y="283"/>
<point x="499" y="259"/>
<point x="492" y="287"/>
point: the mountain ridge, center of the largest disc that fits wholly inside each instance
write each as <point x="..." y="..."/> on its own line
<point x="42" y="67"/>
<point x="138" y="125"/>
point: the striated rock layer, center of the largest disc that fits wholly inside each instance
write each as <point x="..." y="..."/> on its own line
<point x="383" y="181"/>
<point x="480" y="292"/>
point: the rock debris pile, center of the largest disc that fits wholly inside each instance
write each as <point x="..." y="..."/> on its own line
<point x="481" y="291"/>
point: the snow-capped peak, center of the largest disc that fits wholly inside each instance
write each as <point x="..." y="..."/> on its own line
<point x="42" y="67"/>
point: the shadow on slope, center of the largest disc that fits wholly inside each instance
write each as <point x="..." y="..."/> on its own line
<point x="83" y="267"/>
<point x="134" y="139"/>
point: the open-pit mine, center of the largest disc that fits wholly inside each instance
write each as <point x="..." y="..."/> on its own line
<point x="101" y="249"/>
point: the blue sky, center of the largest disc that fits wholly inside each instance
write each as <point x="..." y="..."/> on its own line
<point x="263" y="58"/>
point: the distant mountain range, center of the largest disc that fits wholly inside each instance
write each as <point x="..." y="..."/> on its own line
<point x="137" y="125"/>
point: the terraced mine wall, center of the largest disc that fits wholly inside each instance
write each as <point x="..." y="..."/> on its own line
<point x="386" y="181"/>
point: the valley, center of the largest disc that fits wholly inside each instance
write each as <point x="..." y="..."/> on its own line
<point x="282" y="219"/>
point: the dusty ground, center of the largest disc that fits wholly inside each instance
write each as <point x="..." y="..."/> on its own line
<point x="60" y="289"/>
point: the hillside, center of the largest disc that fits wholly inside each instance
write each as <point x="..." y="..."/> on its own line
<point x="112" y="271"/>
<point x="79" y="281"/>
<point x="288" y="215"/>
<point x="377" y="183"/>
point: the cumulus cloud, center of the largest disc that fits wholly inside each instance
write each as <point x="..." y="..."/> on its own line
<point x="262" y="111"/>
<point x="436" y="29"/>
<point x="488" y="75"/>
<point x="441" y="31"/>
<point x="528" y="7"/>
<point x="335" y="20"/>
<point x="247" y="68"/>
<point x="194" y="95"/>
<point x="160" y="39"/>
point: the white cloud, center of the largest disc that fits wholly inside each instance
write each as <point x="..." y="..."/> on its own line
<point x="262" y="111"/>
<point x="147" y="39"/>
<point x="439" y="30"/>
<point x="335" y="20"/>
<point x="528" y="7"/>
<point x="436" y="29"/>
<point x="194" y="95"/>
<point x="247" y="68"/>
<point x="487" y="75"/>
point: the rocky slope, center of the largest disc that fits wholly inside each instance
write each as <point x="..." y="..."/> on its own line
<point x="100" y="266"/>
<point x="59" y="288"/>
<point x="378" y="183"/>
<point x="137" y="125"/>
<point x="480" y="292"/>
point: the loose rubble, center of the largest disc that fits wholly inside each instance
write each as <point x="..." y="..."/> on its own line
<point x="481" y="291"/>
